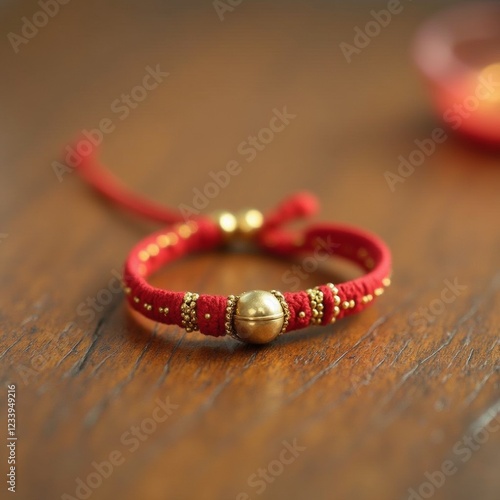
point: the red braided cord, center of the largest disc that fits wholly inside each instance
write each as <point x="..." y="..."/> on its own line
<point x="181" y="238"/>
<point x="113" y="189"/>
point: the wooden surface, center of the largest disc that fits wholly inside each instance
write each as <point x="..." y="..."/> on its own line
<point x="377" y="400"/>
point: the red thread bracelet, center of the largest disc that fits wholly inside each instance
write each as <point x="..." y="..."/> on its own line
<point x="256" y="316"/>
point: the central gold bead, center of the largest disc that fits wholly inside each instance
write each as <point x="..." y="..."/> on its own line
<point x="258" y="317"/>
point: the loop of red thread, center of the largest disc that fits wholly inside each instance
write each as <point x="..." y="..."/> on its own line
<point x="179" y="239"/>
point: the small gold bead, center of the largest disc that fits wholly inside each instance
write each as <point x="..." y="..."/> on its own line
<point x="143" y="255"/>
<point x="345" y="305"/>
<point x="174" y="239"/>
<point x="227" y="222"/>
<point x="386" y="282"/>
<point x="302" y="314"/>
<point x="336" y="311"/>
<point x="136" y="300"/>
<point x="184" y="231"/>
<point x="365" y="299"/>
<point x="333" y="319"/>
<point x="207" y="316"/>
<point x="127" y="290"/>
<point x="149" y="307"/>
<point x="163" y="241"/>
<point x="352" y="304"/>
<point x="153" y="249"/>
<point x="378" y="291"/>
<point x="249" y="221"/>
<point x="160" y="310"/>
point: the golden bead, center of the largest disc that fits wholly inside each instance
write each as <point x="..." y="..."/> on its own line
<point x="163" y="241"/>
<point x="302" y="314"/>
<point x="207" y="316"/>
<point x="143" y="255"/>
<point x="173" y="238"/>
<point x="258" y="317"/>
<point x="386" y="282"/>
<point x="227" y="222"/>
<point x="153" y="249"/>
<point x="184" y="231"/>
<point x="378" y="291"/>
<point x="248" y="221"/>
<point x="243" y="225"/>
<point x="345" y="304"/>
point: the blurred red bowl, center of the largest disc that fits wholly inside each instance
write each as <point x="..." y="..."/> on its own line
<point x="458" y="53"/>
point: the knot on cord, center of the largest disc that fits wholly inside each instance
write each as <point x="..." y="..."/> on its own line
<point x="295" y="207"/>
<point x="267" y="230"/>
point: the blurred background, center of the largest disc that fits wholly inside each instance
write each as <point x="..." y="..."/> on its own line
<point x="173" y="91"/>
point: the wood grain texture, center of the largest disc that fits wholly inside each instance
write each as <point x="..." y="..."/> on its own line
<point x="376" y="400"/>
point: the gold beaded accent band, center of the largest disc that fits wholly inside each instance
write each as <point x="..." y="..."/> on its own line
<point x="316" y="303"/>
<point x="336" y="301"/>
<point x="228" y="323"/>
<point x="284" y="306"/>
<point x="188" y="312"/>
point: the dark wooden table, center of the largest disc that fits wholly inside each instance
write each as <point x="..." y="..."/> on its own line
<point x="399" y="402"/>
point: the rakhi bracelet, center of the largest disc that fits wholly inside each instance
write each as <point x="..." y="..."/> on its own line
<point x="255" y="316"/>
